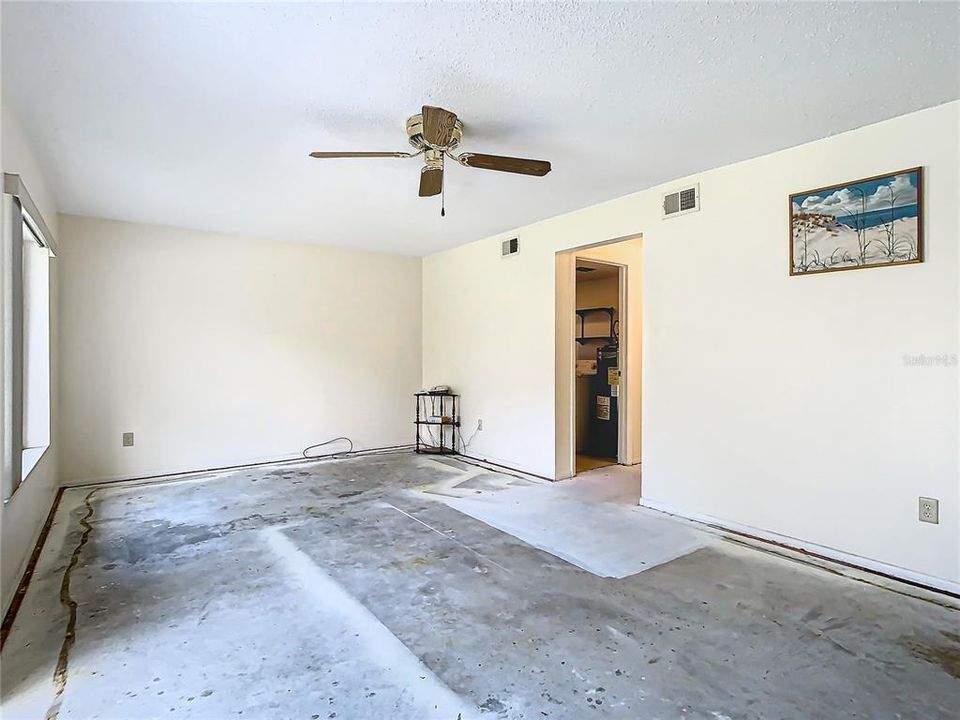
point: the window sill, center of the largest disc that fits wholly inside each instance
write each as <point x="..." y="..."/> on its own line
<point x="31" y="456"/>
<point x="28" y="461"/>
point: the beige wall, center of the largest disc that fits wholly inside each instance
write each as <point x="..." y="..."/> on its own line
<point x="773" y="402"/>
<point x="23" y="515"/>
<point x="217" y="350"/>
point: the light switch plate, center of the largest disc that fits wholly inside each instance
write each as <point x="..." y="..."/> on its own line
<point x="128" y="439"/>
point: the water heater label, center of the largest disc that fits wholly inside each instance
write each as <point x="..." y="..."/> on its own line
<point x="613" y="376"/>
<point x="603" y="407"/>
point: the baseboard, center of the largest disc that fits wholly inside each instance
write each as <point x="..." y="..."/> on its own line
<point x="11" y="610"/>
<point x="503" y="466"/>
<point x="183" y="474"/>
<point x="108" y="479"/>
<point x="875" y="567"/>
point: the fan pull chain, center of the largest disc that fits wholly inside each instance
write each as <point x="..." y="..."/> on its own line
<point x="443" y="199"/>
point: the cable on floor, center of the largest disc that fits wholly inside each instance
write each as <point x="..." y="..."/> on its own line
<point x="324" y="444"/>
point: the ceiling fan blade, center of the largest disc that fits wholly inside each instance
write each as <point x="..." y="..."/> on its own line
<point x="431" y="180"/>
<point x="438" y="125"/>
<point x="504" y="164"/>
<point x="359" y="154"/>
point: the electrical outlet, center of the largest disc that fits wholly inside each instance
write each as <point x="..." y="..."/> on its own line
<point x="480" y="424"/>
<point x="929" y="510"/>
<point x="128" y="439"/>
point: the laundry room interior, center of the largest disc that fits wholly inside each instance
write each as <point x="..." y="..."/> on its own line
<point x="598" y="352"/>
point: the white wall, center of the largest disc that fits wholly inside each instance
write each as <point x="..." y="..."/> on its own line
<point x="781" y="403"/>
<point x="23" y="515"/>
<point x="217" y="350"/>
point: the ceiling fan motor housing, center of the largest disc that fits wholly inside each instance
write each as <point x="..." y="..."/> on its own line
<point x="433" y="158"/>
<point x="415" y="134"/>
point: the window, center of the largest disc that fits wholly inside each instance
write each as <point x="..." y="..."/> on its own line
<point x="27" y="249"/>
<point x="36" y="350"/>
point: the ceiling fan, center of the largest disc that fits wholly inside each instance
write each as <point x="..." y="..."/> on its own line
<point x="435" y="133"/>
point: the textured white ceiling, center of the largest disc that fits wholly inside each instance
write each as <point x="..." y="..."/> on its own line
<point x="202" y="115"/>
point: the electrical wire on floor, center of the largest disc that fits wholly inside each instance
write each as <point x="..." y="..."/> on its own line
<point x="331" y="441"/>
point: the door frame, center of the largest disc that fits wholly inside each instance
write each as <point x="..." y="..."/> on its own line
<point x="628" y="451"/>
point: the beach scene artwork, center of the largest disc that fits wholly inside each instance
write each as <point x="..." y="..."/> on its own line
<point x="863" y="223"/>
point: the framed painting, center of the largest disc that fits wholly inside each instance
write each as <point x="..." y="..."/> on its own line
<point x="873" y="222"/>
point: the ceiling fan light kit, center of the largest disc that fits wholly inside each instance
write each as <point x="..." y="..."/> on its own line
<point x="435" y="133"/>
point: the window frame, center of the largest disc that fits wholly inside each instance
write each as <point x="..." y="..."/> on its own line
<point x="18" y="210"/>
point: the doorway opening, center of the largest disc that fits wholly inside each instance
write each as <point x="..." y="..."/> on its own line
<point x="598" y="355"/>
<point x="597" y="373"/>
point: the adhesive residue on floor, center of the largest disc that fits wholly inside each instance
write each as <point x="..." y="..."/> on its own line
<point x="352" y="589"/>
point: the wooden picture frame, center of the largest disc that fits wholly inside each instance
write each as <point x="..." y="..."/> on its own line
<point x="871" y="222"/>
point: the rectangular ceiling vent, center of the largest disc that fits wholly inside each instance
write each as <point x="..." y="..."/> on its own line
<point x="510" y="247"/>
<point x="682" y="201"/>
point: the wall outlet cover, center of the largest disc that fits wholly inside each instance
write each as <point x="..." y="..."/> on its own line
<point x="128" y="439"/>
<point x="929" y="510"/>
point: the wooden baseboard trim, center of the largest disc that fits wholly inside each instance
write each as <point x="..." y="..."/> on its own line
<point x="18" y="596"/>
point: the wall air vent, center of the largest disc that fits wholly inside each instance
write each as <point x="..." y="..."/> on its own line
<point x="509" y="247"/>
<point x="682" y="201"/>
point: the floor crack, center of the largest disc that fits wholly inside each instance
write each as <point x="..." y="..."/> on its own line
<point x="70" y="634"/>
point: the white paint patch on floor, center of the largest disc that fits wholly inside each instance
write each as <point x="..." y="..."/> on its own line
<point x="372" y="643"/>
<point x="591" y="521"/>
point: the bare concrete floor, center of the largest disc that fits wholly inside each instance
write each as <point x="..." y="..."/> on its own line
<point x="341" y="590"/>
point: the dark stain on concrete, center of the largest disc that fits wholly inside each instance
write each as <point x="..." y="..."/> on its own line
<point x="158" y="538"/>
<point x="492" y="704"/>
<point x="944" y="655"/>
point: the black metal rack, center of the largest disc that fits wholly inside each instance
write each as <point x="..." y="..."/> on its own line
<point x="434" y="404"/>
<point x="611" y="338"/>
